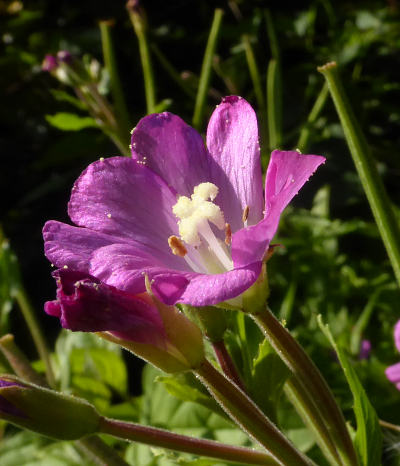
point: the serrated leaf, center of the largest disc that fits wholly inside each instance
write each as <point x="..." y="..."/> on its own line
<point x="269" y="376"/>
<point x="368" y="438"/>
<point x="70" y="121"/>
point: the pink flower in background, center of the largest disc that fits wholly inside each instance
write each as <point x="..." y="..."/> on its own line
<point x="393" y="372"/>
<point x="192" y="218"/>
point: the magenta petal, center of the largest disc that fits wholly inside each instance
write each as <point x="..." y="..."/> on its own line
<point x="397" y="335"/>
<point x="205" y="290"/>
<point x="69" y="246"/>
<point x="232" y="140"/>
<point x="124" y="265"/>
<point x="393" y="373"/>
<point x="122" y="198"/>
<point x="287" y="172"/>
<point x="87" y="305"/>
<point x="173" y="150"/>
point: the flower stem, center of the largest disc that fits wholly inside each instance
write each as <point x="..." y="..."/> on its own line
<point x="92" y="445"/>
<point x="310" y="414"/>
<point x="389" y="425"/>
<point x="274" y="104"/>
<point x="111" y="66"/>
<point x="254" y="72"/>
<point x="319" y="104"/>
<point x="206" y="69"/>
<point x="18" y="361"/>
<point x="366" y="168"/>
<point x="136" y="15"/>
<point x="249" y="417"/>
<point x="172" y="441"/>
<point x="227" y="365"/>
<point x="37" y="335"/>
<point x="312" y="383"/>
<point x="173" y="73"/>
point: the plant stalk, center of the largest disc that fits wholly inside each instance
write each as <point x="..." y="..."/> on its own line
<point x="366" y="167"/>
<point x="111" y="66"/>
<point x="37" y="335"/>
<point x="310" y="414"/>
<point x="137" y="17"/>
<point x="172" y="441"/>
<point x="312" y="383"/>
<point x="205" y="74"/>
<point x="319" y="104"/>
<point x="226" y="363"/>
<point x="249" y="417"/>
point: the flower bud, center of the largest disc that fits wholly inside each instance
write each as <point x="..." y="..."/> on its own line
<point x="49" y="63"/>
<point x="45" y="411"/>
<point x="158" y="333"/>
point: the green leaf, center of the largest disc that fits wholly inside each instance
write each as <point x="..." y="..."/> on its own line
<point x="71" y="122"/>
<point x="185" y="387"/>
<point x="29" y="449"/>
<point x="368" y="439"/>
<point x="63" y="96"/>
<point x="269" y="376"/>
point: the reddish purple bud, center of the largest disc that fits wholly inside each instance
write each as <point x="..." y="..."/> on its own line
<point x="393" y="372"/>
<point x="85" y="304"/>
<point x="63" y="56"/>
<point x="365" y="349"/>
<point x="49" y="63"/>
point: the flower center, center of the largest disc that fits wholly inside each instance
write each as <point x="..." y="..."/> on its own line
<point x="203" y="251"/>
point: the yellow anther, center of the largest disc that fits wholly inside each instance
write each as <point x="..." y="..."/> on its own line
<point x="177" y="247"/>
<point x="228" y="234"/>
<point x="245" y="215"/>
<point x="193" y="212"/>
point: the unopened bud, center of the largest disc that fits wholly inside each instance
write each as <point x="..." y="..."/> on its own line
<point x="45" y="411"/>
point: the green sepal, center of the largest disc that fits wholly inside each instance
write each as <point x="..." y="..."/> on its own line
<point x="48" y="412"/>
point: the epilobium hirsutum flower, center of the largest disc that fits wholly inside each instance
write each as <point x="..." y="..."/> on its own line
<point x="194" y="219"/>
<point x="46" y="411"/>
<point x="155" y="332"/>
<point x="393" y="372"/>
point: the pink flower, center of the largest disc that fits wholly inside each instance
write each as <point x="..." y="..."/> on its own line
<point x="192" y="218"/>
<point x="393" y="372"/>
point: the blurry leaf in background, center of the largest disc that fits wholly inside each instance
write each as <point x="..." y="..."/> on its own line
<point x="91" y="367"/>
<point x="70" y="121"/>
<point x="269" y="377"/>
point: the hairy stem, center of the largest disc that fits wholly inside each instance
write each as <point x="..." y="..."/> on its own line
<point x="172" y="441"/>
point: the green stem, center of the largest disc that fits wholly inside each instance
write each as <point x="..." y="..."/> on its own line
<point x="136" y="15"/>
<point x="319" y="104"/>
<point x="111" y="66"/>
<point x="254" y="72"/>
<point x="366" y="168"/>
<point x="249" y="417"/>
<point x="99" y="452"/>
<point x="18" y="361"/>
<point x="173" y="73"/>
<point x="311" y="417"/>
<point x="272" y="37"/>
<point x="274" y="104"/>
<point x="172" y="441"/>
<point x="226" y="363"/>
<point x="92" y="445"/>
<point x="205" y="74"/>
<point x="312" y="382"/>
<point x="38" y="338"/>
<point x="389" y="425"/>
